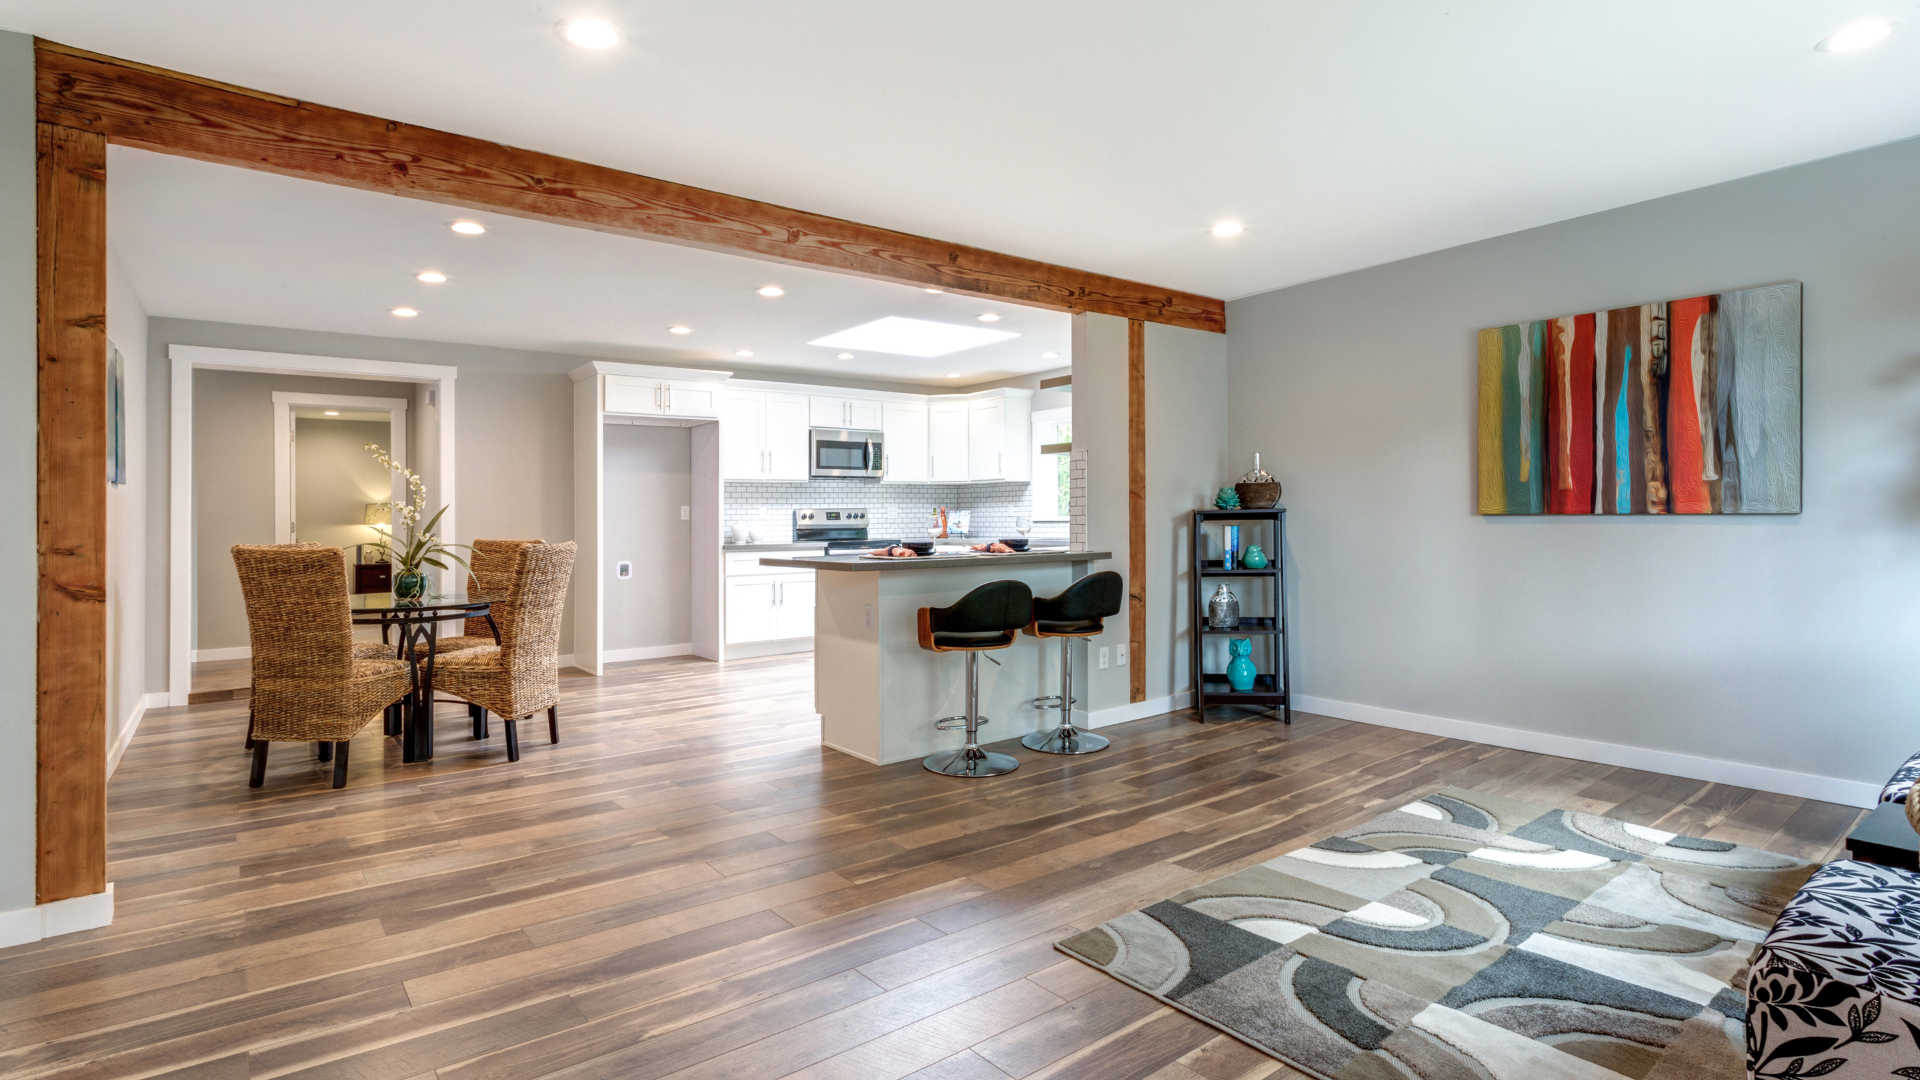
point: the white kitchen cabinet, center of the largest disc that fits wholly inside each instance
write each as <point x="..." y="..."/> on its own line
<point x="903" y="429"/>
<point x="947" y="457"/>
<point x="793" y="607"/>
<point x="999" y="436"/>
<point x="749" y="610"/>
<point x="764" y="435"/>
<point x="635" y="395"/>
<point x="851" y="413"/>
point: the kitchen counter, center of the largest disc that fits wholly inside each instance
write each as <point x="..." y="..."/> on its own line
<point x="878" y="692"/>
<point x="813" y="545"/>
<point x="928" y="562"/>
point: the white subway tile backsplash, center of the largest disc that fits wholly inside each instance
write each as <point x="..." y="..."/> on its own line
<point x="893" y="510"/>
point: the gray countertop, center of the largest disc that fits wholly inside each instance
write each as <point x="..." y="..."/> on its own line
<point x="860" y="562"/>
<point x="815" y="545"/>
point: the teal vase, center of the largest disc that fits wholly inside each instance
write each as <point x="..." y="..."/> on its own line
<point x="1254" y="559"/>
<point x="408" y="585"/>
<point x="1240" y="672"/>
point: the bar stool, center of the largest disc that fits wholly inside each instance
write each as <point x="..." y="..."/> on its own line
<point x="983" y="620"/>
<point x="1075" y="613"/>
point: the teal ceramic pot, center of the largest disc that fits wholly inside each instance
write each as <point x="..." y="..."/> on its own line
<point x="1227" y="499"/>
<point x="1240" y="671"/>
<point x="1254" y="559"/>
<point x="408" y="585"/>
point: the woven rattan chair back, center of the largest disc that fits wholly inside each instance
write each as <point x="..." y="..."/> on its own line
<point x="530" y="638"/>
<point x="491" y="563"/>
<point x="300" y="626"/>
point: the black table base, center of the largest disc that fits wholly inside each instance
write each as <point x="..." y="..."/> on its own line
<point x="417" y="623"/>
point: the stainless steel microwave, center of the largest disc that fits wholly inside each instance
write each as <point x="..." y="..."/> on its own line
<point x="840" y="452"/>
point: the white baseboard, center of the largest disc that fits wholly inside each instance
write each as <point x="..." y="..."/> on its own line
<point x="132" y="724"/>
<point x="645" y="652"/>
<point x="1714" y="770"/>
<point x="750" y="649"/>
<point x="850" y="753"/>
<point x="1138" y="710"/>
<point x="60" y="917"/>
<point x="201" y="656"/>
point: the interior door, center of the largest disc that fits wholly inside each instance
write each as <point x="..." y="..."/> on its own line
<point x="743" y="428"/>
<point x="903" y="426"/>
<point x="787" y="443"/>
<point x="986" y="440"/>
<point x="947" y="441"/>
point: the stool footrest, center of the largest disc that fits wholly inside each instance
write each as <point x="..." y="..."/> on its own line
<point x="1051" y="701"/>
<point x="956" y="723"/>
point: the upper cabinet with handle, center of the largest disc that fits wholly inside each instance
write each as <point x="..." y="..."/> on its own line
<point x="665" y="395"/>
<point x="1000" y="435"/>
<point x="763" y="435"/>
<point x="903" y="427"/>
<point x="849" y="413"/>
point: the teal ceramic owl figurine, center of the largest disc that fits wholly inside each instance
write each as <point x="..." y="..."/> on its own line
<point x="1227" y="499"/>
<point x="1240" y="671"/>
<point x="1254" y="559"/>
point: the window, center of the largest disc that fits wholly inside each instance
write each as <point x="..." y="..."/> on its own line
<point x="1051" y="427"/>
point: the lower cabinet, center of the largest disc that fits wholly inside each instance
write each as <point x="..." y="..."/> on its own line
<point x="769" y="607"/>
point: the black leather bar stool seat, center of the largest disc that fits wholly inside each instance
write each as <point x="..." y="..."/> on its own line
<point x="985" y="619"/>
<point x="1079" y="612"/>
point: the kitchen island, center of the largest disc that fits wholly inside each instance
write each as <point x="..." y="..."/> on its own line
<point x="878" y="692"/>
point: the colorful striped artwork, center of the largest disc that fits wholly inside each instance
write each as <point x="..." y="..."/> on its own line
<point x="1682" y="407"/>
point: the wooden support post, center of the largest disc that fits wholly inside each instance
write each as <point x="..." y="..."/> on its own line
<point x="1137" y="510"/>
<point x="71" y="679"/>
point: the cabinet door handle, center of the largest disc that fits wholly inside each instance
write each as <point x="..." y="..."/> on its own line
<point x="669" y="398"/>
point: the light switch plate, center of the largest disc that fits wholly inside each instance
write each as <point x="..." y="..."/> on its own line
<point x="623" y="570"/>
<point x="686" y="512"/>
<point x="869" y="616"/>
<point x="1120" y="655"/>
<point x="1104" y="654"/>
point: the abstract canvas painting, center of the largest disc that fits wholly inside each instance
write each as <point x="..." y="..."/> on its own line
<point x="1681" y="407"/>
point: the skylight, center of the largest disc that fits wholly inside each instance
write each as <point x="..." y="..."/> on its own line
<point x="912" y="337"/>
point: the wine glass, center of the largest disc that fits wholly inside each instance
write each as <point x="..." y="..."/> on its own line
<point x="1023" y="524"/>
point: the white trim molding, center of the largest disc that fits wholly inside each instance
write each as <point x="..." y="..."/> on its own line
<point x="645" y="652"/>
<point x="188" y="358"/>
<point x="60" y="917"/>
<point x="1713" y="770"/>
<point x="238" y="652"/>
<point x="132" y="724"/>
<point x="1138" y="710"/>
<point x="285" y="458"/>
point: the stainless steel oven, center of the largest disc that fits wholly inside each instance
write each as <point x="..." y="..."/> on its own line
<point x="840" y="452"/>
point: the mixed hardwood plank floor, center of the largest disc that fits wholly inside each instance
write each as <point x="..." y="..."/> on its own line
<point x="689" y="886"/>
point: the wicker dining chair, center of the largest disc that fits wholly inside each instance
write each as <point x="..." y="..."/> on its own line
<point x="491" y="566"/>
<point x="521" y="675"/>
<point x="362" y="650"/>
<point x="308" y="683"/>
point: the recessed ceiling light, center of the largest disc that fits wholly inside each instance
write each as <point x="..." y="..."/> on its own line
<point x="988" y="317"/>
<point x="953" y="374"/>
<point x="912" y="337"/>
<point x="405" y="312"/>
<point x="679" y="329"/>
<point x="1049" y="356"/>
<point x="844" y="356"/>
<point x="1227" y="228"/>
<point x="743" y="352"/>
<point x="1853" y="37"/>
<point x="331" y="412"/>
<point x="772" y="290"/>
<point x="934" y="290"/>
<point x="468" y="228"/>
<point x="431" y="277"/>
<point x="590" y="33"/>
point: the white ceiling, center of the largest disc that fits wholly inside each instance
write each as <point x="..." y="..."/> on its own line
<point x="230" y="245"/>
<point x="1104" y="134"/>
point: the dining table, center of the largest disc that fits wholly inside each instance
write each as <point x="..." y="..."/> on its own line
<point x="417" y="622"/>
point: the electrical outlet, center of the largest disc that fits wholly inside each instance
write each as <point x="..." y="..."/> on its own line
<point x="1120" y="655"/>
<point x="623" y="570"/>
<point x="686" y="512"/>
<point x="869" y="616"/>
<point x="1104" y="654"/>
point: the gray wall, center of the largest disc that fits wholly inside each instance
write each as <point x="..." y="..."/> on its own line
<point x="19" y="394"/>
<point x="1186" y="464"/>
<point x="649" y="477"/>
<point x="335" y="477"/>
<point x="1785" y="642"/>
<point x="233" y="485"/>
<point x="127" y="516"/>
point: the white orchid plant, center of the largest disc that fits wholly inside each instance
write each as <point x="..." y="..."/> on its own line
<point x="409" y="544"/>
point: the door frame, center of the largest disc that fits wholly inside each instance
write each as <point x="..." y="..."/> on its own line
<point x="285" y="460"/>
<point x="188" y="359"/>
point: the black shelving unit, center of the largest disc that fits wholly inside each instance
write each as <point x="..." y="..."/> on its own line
<point x="1271" y="687"/>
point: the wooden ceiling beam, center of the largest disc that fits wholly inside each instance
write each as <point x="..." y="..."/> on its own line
<point x="154" y="109"/>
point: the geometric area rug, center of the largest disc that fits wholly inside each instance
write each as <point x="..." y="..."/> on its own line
<point x="1468" y="935"/>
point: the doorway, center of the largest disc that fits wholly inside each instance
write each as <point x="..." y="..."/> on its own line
<point x="327" y="487"/>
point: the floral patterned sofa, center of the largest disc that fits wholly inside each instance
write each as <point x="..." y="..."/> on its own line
<point x="1834" y="990"/>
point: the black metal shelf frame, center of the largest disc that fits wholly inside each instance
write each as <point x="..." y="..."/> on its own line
<point x="1271" y="688"/>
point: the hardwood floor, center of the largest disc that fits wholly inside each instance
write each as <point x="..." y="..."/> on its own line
<point x="688" y="886"/>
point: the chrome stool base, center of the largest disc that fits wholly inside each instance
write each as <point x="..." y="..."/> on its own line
<point x="1065" y="741"/>
<point x="970" y="761"/>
